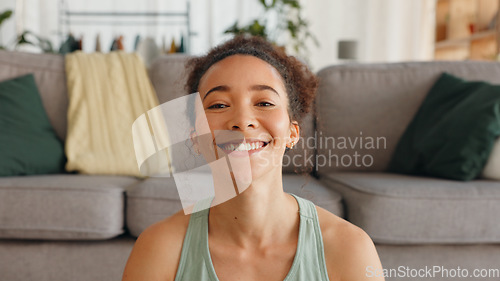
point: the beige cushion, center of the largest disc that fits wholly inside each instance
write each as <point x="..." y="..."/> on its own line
<point x="400" y="209"/>
<point x="108" y="92"/>
<point x="358" y="102"/>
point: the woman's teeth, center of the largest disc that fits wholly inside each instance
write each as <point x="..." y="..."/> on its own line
<point x="243" y="146"/>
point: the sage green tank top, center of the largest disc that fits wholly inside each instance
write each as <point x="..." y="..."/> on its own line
<point x="308" y="264"/>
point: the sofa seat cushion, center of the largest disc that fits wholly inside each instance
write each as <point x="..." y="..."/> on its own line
<point x="438" y="262"/>
<point x="154" y="199"/>
<point x="401" y="209"/>
<point x="68" y="207"/>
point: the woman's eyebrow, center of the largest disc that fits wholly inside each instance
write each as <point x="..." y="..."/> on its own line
<point x="225" y="88"/>
<point x="218" y="88"/>
<point x="264" y="87"/>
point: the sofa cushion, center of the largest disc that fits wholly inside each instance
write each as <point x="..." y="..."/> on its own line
<point x="453" y="131"/>
<point x="399" y="209"/>
<point x="154" y="199"/>
<point x="439" y="262"/>
<point x="24" y="260"/>
<point x="363" y="109"/>
<point x="28" y="144"/>
<point x="50" y="78"/>
<point x="68" y="207"/>
<point x="149" y="201"/>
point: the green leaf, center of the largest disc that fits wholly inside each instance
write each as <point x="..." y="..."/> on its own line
<point x="234" y="29"/>
<point x="293" y="3"/>
<point x="44" y="44"/>
<point x="266" y="5"/>
<point x="5" y="15"/>
<point x="257" y="29"/>
<point x="292" y="28"/>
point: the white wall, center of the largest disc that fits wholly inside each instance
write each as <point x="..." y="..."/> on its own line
<point x="386" y="30"/>
<point x="209" y="19"/>
<point x="8" y="28"/>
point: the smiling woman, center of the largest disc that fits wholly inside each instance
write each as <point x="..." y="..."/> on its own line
<point x="249" y="87"/>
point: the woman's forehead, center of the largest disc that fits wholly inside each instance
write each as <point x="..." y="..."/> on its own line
<point x="240" y="69"/>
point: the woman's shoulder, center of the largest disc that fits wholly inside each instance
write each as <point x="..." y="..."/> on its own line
<point x="349" y="251"/>
<point x="157" y="251"/>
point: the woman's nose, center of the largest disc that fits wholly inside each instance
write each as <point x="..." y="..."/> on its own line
<point x="242" y="120"/>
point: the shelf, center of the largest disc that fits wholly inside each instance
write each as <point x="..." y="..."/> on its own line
<point x="467" y="30"/>
<point x="467" y="40"/>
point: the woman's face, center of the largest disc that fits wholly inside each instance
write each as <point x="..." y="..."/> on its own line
<point x="244" y="94"/>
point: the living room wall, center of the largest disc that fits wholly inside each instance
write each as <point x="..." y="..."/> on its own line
<point x="385" y="30"/>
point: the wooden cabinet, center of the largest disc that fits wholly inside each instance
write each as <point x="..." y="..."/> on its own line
<point x="467" y="29"/>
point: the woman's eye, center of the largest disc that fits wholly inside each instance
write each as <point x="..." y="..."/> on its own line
<point x="265" y="104"/>
<point x="217" y="106"/>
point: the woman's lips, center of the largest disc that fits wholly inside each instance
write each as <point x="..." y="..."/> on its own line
<point x="243" y="148"/>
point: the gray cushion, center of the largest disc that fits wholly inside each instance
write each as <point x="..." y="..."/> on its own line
<point x="154" y="199"/>
<point x="62" y="206"/>
<point x="398" y="209"/>
<point x="50" y="78"/>
<point x="311" y="189"/>
<point x="149" y="201"/>
<point x="450" y="257"/>
<point x="25" y="260"/>
<point x="377" y="101"/>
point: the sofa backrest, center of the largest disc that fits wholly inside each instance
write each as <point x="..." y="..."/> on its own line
<point x="168" y="76"/>
<point x="50" y="77"/>
<point x="363" y="109"/>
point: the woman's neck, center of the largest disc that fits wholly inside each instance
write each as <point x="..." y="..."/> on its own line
<point x="261" y="215"/>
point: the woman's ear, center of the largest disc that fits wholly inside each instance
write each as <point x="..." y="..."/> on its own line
<point x="294" y="134"/>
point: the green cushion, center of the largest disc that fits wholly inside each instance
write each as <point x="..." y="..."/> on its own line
<point x="28" y="143"/>
<point x="453" y="132"/>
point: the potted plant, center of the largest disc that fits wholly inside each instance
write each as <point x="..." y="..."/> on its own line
<point x="289" y="22"/>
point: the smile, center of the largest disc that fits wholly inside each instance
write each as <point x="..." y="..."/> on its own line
<point x="244" y="146"/>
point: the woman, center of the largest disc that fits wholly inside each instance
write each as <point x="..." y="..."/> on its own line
<point x="248" y="86"/>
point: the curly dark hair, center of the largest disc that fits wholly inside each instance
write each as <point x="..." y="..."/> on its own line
<point x="299" y="81"/>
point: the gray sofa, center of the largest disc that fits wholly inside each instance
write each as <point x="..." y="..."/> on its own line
<point x="82" y="227"/>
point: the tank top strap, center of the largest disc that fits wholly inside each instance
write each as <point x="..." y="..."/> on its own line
<point x="310" y="242"/>
<point x="194" y="263"/>
<point x="203" y="205"/>
<point x="306" y="207"/>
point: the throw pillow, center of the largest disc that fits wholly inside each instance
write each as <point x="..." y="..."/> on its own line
<point x="453" y="132"/>
<point x="28" y="143"/>
<point x="492" y="169"/>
